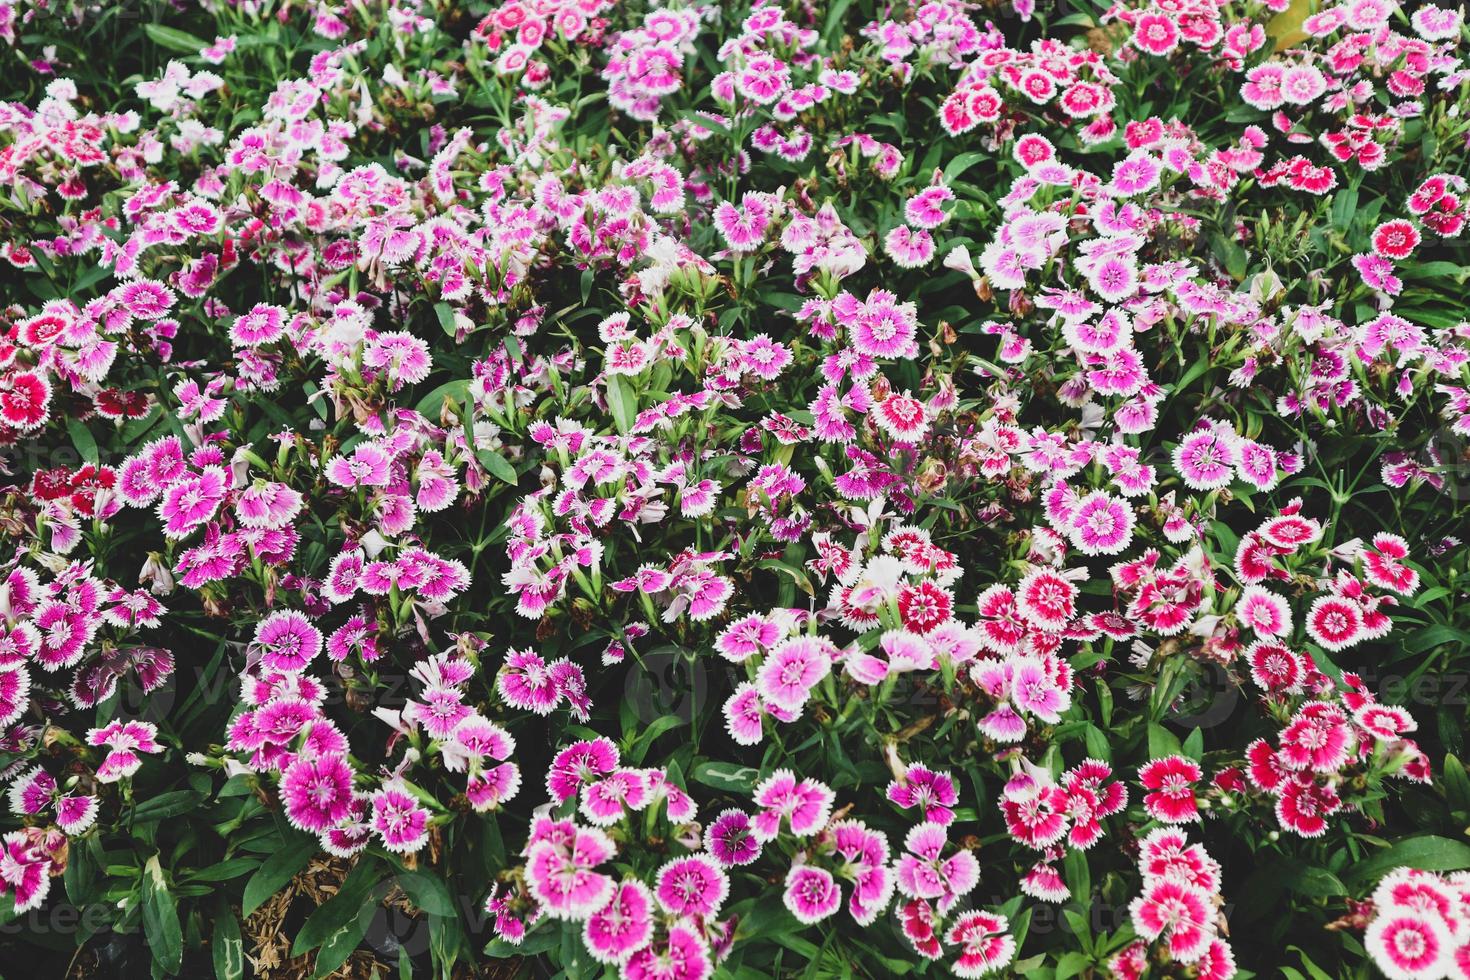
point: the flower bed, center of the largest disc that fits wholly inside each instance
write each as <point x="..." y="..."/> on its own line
<point x="682" y="490"/>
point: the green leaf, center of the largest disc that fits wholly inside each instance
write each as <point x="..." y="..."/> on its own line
<point x="161" y="919"/>
<point x="174" y="39"/>
<point x="427" y="892"/>
<point x="340" y="911"/>
<point x="1422" y="641"/>
<point x="225" y="870"/>
<point x="498" y="466"/>
<point x="1194" y="745"/>
<point x="82" y="440"/>
<point x="795" y="574"/>
<point x="1306" y="879"/>
<point x="726" y="776"/>
<point x="963" y="162"/>
<point x="445" y="313"/>
<point x="1162" y="742"/>
<point x="167" y="805"/>
<point x="278" y="869"/>
<point x="623" y="403"/>
<point x="228" y="950"/>
<point x="433" y="403"/>
<point x="1427" y="853"/>
<point x="1456" y="783"/>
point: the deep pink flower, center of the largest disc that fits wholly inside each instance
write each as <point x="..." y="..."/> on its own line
<point x="317" y="792"/>
<point x="1170" y="782"/>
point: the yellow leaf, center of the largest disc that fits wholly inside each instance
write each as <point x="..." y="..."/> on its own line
<point x="1286" y="27"/>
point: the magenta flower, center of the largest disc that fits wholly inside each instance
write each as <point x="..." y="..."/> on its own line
<point x="932" y="792"/>
<point x="317" y="792"/>
<point x="400" y="820"/>
<point x="903" y="417"/>
<point x="124" y="741"/>
<point x="1046" y="599"/>
<point x="561" y="876"/>
<point x="368" y="466"/>
<point x="578" y="765"/>
<point x="803" y="806"/>
<point x="811" y="894"/>
<point x="1177" y="911"/>
<point x="606" y="800"/>
<point x="1170" y="782"/>
<point x="25" y="870"/>
<point x="985" y="945"/>
<point x="192" y="501"/>
<point x="1101" y="524"/>
<point x="924" y="872"/>
<point x="743" y="712"/>
<point x="694" y="885"/>
<point x="682" y="954"/>
<point x="731" y="840"/>
<point x="792" y="669"/>
<point x="287" y="641"/>
<point x="621" y="927"/>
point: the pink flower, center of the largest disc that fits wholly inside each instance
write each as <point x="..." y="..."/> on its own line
<point x="400" y="820"/>
<point x="1101" y="524"/>
<point x="368" y="466"/>
<point x="1264" y="612"/>
<point x="76" y="814"/>
<point x="1046" y="599"/>
<point x="1179" y="912"/>
<point x="730" y="838"/>
<point x="908" y="248"/>
<point x="693" y="885"/>
<point x="559" y="871"/>
<point x="1335" y="623"/>
<point x="25" y="400"/>
<point x="621" y="927"/>
<point x="743" y="712"/>
<point x="605" y="801"/>
<point x="1304" y="805"/>
<point x="932" y="792"/>
<point x="1170" y="782"/>
<point x="25" y="870"/>
<point x="1137" y="173"/>
<point x="903" y="417"/>
<point x="287" y="641"/>
<point x="124" y="739"/>
<point x="924" y="872"/>
<point x="1204" y="460"/>
<point x="681" y="955"/>
<point x="1395" y="239"/>
<point x="263" y="324"/>
<point x="317" y="792"/>
<point x="527" y="682"/>
<point x="1408" y="946"/>
<point x="193" y="500"/>
<point x="1155" y="33"/>
<point x="267" y="505"/>
<point x="985" y="945"/>
<point x="804" y="806"/>
<point x="1035" y="690"/>
<point x="884" y="327"/>
<point x="746" y="636"/>
<point x="1318" y="738"/>
<point x="580" y="764"/>
<point x="811" y="894"/>
<point x="790" y="671"/>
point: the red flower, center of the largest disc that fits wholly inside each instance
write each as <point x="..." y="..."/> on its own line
<point x="23" y="406"/>
<point x="1171" y="781"/>
<point x="1395" y="239"/>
